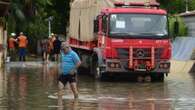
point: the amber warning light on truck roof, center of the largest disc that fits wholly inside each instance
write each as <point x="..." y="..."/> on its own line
<point x="137" y="4"/>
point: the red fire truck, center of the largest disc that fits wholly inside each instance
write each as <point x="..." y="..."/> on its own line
<point x="131" y="37"/>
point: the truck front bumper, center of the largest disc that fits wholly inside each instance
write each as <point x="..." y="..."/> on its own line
<point x="117" y="65"/>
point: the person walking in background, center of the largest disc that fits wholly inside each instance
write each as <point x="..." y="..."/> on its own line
<point x="22" y="44"/>
<point x="11" y="46"/>
<point x="49" y="49"/>
<point x="68" y="66"/>
<point x="56" y="45"/>
<point x="44" y="49"/>
<point x="53" y="38"/>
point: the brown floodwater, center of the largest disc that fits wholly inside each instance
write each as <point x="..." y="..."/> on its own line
<point x="32" y="86"/>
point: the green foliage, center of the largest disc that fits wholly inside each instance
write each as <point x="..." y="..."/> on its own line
<point x="29" y="16"/>
<point x="182" y="27"/>
<point x="176" y="6"/>
<point x="24" y="12"/>
<point x="60" y="11"/>
<point x="36" y="30"/>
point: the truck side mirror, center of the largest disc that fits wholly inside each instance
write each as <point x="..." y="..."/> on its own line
<point x="96" y="23"/>
<point x="176" y="28"/>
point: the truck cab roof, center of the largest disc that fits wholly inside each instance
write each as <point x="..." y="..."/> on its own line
<point x="134" y="10"/>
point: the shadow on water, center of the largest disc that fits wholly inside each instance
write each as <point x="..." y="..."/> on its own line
<point x="123" y="78"/>
<point x="31" y="88"/>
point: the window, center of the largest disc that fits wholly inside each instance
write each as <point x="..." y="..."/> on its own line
<point x="142" y="25"/>
<point x="104" y="23"/>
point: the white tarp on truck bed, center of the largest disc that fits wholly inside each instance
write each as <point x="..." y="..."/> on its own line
<point x="183" y="48"/>
<point x="83" y="13"/>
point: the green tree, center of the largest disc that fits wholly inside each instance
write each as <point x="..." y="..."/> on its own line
<point x="29" y="16"/>
<point x="176" y="6"/>
<point x="60" y="11"/>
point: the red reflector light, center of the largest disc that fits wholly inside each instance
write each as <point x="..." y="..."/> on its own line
<point x="119" y="4"/>
<point x="166" y="53"/>
<point x="165" y="66"/>
<point x="136" y="4"/>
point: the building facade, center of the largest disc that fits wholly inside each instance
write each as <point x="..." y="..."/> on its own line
<point x="189" y="20"/>
<point x="3" y="33"/>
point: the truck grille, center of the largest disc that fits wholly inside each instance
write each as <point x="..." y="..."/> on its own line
<point x="123" y="53"/>
<point x="141" y="52"/>
<point x="158" y="52"/>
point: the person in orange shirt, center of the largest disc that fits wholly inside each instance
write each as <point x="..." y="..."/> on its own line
<point x="22" y="44"/>
<point x="49" y="49"/>
<point x="53" y="37"/>
<point x="11" y="46"/>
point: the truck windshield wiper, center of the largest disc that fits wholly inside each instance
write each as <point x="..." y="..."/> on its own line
<point x="150" y="33"/>
<point x="123" y="33"/>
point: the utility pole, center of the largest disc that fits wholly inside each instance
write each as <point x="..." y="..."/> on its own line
<point x="187" y="3"/>
<point x="49" y="24"/>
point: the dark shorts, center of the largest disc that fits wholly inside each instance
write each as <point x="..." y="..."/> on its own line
<point x="22" y="51"/>
<point x="56" y="51"/>
<point x="67" y="78"/>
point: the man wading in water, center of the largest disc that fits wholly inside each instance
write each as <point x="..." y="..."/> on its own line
<point x="68" y="65"/>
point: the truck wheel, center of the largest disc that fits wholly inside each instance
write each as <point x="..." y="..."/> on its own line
<point x="140" y="79"/>
<point x="158" y="77"/>
<point x="95" y="69"/>
<point x="161" y="77"/>
<point x="147" y="78"/>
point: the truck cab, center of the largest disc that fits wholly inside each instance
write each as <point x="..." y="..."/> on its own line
<point x="132" y="38"/>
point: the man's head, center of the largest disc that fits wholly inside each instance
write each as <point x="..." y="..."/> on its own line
<point x="21" y="33"/>
<point x="65" y="47"/>
<point x="13" y="34"/>
<point x="52" y="34"/>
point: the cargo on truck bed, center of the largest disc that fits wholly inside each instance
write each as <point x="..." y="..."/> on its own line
<point x="83" y="13"/>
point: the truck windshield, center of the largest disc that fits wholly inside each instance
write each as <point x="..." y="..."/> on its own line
<point x="139" y="25"/>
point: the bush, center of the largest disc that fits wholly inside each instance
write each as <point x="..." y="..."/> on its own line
<point x="182" y="27"/>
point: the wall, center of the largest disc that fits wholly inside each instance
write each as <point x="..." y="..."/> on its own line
<point x="190" y="23"/>
<point x="1" y="42"/>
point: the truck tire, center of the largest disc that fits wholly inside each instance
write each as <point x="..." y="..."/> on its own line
<point x="159" y="77"/>
<point x="95" y="70"/>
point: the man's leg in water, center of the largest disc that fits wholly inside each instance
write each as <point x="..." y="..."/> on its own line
<point x="74" y="89"/>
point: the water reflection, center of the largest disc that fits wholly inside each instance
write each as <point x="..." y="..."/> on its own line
<point x="22" y="90"/>
<point x="29" y="88"/>
<point x="135" y="97"/>
<point x="17" y="84"/>
<point x="49" y="76"/>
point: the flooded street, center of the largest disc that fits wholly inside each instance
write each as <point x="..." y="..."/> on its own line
<point x="33" y="86"/>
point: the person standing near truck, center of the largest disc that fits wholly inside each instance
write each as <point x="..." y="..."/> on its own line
<point x="22" y="44"/>
<point x="49" y="49"/>
<point x="68" y="66"/>
<point x="44" y="49"/>
<point x="11" y="46"/>
<point x="56" y="46"/>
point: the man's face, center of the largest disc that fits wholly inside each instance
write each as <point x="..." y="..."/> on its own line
<point x="66" y="49"/>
